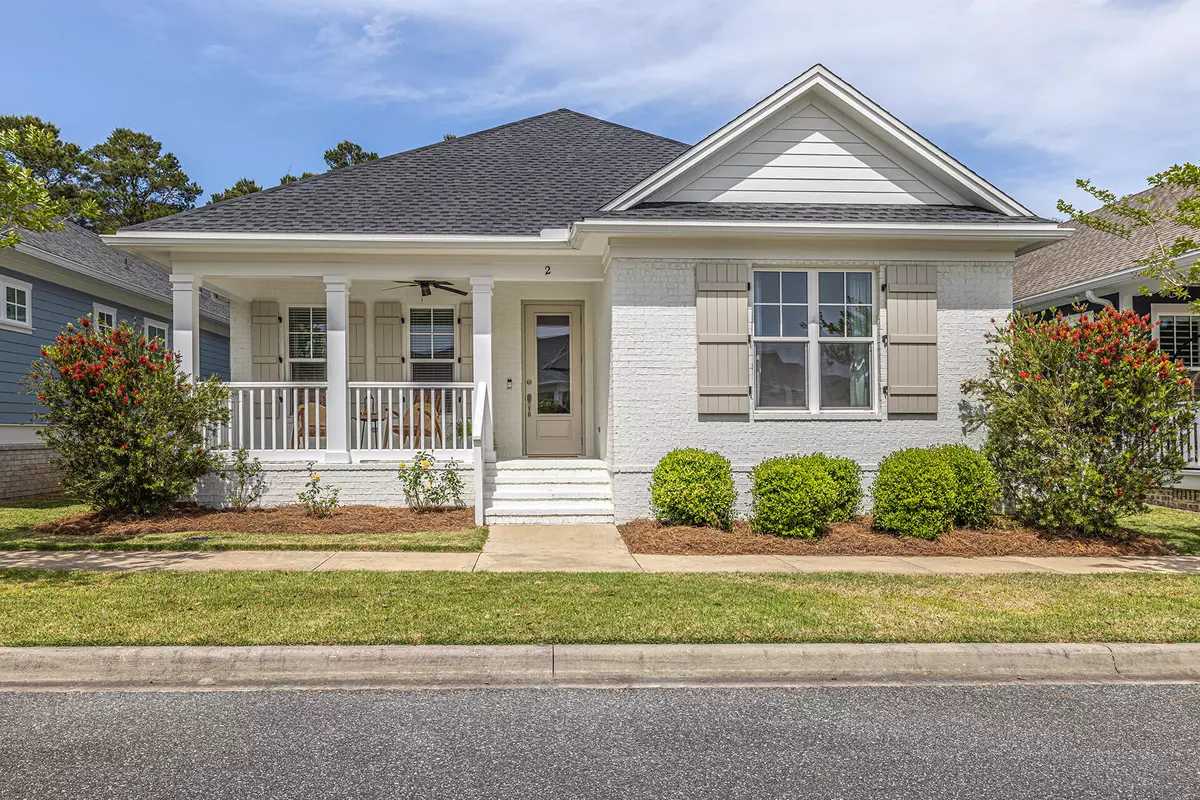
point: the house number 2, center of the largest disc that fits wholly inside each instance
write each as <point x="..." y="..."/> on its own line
<point x="547" y="269"/>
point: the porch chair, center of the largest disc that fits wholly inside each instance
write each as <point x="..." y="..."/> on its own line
<point x="422" y="421"/>
<point x="310" y="422"/>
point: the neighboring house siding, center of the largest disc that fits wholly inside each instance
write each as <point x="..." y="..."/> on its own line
<point x="653" y="381"/>
<point x="214" y="355"/>
<point x="809" y="158"/>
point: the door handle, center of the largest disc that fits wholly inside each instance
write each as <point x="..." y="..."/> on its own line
<point x="529" y="404"/>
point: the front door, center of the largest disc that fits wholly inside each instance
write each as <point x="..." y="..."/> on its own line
<point x="553" y="381"/>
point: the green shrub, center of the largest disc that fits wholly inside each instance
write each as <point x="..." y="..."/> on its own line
<point x="977" y="488"/>
<point x="914" y="494"/>
<point x="693" y="487"/>
<point x="848" y="476"/>
<point x="794" y="496"/>
<point x="127" y="427"/>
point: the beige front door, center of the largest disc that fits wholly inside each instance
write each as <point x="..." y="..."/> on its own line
<point x="553" y="381"/>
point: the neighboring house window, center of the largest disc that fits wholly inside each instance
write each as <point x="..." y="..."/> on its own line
<point x="431" y="344"/>
<point x="814" y="339"/>
<point x="17" y="303"/>
<point x="1179" y="333"/>
<point x="307" y="339"/>
<point x="157" y="330"/>
<point x="105" y="317"/>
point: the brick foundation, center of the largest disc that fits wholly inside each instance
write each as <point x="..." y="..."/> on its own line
<point x="27" y="470"/>
<point x="1183" y="499"/>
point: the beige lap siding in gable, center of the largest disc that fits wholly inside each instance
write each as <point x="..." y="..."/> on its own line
<point x="912" y="350"/>
<point x="266" y="358"/>
<point x="723" y="338"/>
<point x="389" y="342"/>
<point x="357" y="341"/>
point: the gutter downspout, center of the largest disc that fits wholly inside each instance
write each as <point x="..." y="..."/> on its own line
<point x="1100" y="301"/>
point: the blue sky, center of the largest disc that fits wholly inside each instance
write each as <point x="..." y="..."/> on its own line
<point x="1029" y="93"/>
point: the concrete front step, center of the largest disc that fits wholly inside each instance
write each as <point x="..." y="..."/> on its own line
<point x="548" y="491"/>
<point x="540" y="478"/>
<point x="560" y="491"/>
<point x="544" y="464"/>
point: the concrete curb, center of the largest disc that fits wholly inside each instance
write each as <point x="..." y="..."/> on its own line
<point x="438" y="666"/>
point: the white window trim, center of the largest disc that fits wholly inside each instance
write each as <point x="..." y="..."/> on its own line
<point x="98" y="309"/>
<point x="12" y="324"/>
<point x="814" y="340"/>
<point x="286" y="342"/>
<point x="1158" y="310"/>
<point x="410" y="361"/>
<point x="147" y="323"/>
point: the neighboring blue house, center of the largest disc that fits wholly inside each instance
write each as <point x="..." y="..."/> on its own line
<point x="51" y="279"/>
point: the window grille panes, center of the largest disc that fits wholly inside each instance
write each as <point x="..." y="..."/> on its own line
<point x="308" y="343"/>
<point x="16" y="305"/>
<point x="1179" y="336"/>
<point x="431" y="339"/>
<point x="780" y="328"/>
<point x="845" y="304"/>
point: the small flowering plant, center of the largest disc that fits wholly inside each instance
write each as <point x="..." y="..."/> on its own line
<point x="1084" y="417"/>
<point x="318" y="501"/>
<point x="127" y="427"/>
<point x="428" y="486"/>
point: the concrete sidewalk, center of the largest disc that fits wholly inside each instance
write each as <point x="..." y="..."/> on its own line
<point x="617" y="665"/>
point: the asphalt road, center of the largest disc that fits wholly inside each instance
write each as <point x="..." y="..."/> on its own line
<point x="879" y="742"/>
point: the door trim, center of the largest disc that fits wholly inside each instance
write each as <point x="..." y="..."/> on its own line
<point x="583" y="386"/>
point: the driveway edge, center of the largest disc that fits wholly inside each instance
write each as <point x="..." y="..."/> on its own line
<point x="452" y="666"/>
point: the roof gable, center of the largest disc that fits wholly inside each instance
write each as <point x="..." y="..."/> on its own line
<point x="818" y="140"/>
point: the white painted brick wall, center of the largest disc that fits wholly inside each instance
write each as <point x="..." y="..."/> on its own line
<point x="27" y="470"/>
<point x="372" y="483"/>
<point x="653" y="382"/>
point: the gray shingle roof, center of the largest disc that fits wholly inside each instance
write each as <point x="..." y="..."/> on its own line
<point x="87" y="254"/>
<point x="813" y="212"/>
<point x="542" y="172"/>
<point x="1090" y="254"/>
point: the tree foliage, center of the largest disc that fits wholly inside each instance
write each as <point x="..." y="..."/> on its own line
<point x="127" y="428"/>
<point x="346" y="153"/>
<point x="135" y="181"/>
<point x="243" y="186"/>
<point x="1178" y="202"/>
<point x="290" y="178"/>
<point x="1083" y="418"/>
<point x="26" y="202"/>
<point x="60" y="166"/>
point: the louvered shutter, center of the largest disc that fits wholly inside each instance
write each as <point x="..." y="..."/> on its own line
<point x="356" y="334"/>
<point x="266" y="360"/>
<point x="389" y="342"/>
<point x="912" y="351"/>
<point x="723" y="338"/>
<point x="466" y="344"/>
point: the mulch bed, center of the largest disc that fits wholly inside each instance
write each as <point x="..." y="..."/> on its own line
<point x="287" y="519"/>
<point x="859" y="539"/>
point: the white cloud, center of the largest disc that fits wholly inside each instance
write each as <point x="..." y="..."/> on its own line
<point x="1075" y="87"/>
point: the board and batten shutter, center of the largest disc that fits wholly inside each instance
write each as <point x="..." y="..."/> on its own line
<point x="356" y="335"/>
<point x="466" y="344"/>
<point x="389" y="342"/>
<point x="723" y="338"/>
<point x="266" y="359"/>
<point x="912" y="350"/>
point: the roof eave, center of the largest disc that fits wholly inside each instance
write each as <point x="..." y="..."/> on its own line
<point x="339" y="242"/>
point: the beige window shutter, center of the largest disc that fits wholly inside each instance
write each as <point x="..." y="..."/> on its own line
<point x="265" y="324"/>
<point x="357" y="336"/>
<point x="912" y="351"/>
<point x="466" y="344"/>
<point x="723" y="338"/>
<point x="389" y="342"/>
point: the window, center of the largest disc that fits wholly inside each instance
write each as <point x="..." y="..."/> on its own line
<point x="431" y="344"/>
<point x="157" y="330"/>
<point x="1179" y="333"/>
<point x="814" y="339"/>
<point x="307" y="343"/>
<point x="105" y="317"/>
<point x="17" y="296"/>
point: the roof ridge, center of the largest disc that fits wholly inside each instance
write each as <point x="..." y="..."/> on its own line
<point x="391" y="156"/>
<point x="623" y="127"/>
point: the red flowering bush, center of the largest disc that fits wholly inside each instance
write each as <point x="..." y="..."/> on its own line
<point x="127" y="427"/>
<point x="1083" y="418"/>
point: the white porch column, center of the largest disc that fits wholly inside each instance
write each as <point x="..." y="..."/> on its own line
<point x="481" y="313"/>
<point x="185" y="322"/>
<point x="337" y="369"/>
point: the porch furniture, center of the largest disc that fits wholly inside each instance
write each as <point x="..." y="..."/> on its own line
<point x="310" y="422"/>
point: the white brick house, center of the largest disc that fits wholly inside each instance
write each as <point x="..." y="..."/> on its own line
<point x="559" y="301"/>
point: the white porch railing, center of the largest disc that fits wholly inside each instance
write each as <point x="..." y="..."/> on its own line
<point x="283" y="417"/>
<point x="1191" y="445"/>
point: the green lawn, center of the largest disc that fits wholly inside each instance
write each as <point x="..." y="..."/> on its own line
<point x="16" y="519"/>
<point x="1179" y="529"/>
<point x="246" y="608"/>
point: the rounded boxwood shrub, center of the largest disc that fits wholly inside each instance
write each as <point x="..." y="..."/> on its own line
<point x="693" y="487"/>
<point x="848" y="476"/>
<point x="794" y="496"/>
<point x="977" y="488"/>
<point x="914" y="494"/>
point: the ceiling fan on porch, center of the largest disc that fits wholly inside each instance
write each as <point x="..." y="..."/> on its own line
<point x="426" y="286"/>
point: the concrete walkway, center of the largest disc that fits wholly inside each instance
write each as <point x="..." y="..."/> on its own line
<point x="571" y="548"/>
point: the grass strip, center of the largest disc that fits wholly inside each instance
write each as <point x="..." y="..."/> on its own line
<point x="248" y="608"/>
